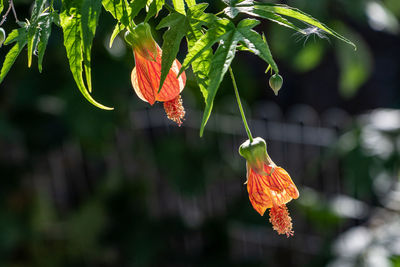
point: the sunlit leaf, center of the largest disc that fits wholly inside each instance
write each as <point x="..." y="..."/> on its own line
<point x="44" y="37"/>
<point x="216" y="33"/>
<point x="190" y="3"/>
<point x="70" y="20"/>
<point x="117" y="29"/>
<point x="201" y="65"/>
<point x="179" y="6"/>
<point x="221" y="61"/>
<point x="17" y="36"/>
<point x="178" y="25"/>
<point x="255" y="42"/>
<point x="119" y="9"/>
<point x="90" y="13"/>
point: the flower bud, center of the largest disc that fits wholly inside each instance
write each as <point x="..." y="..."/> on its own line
<point x="142" y="41"/>
<point x="255" y="153"/>
<point x="276" y="82"/>
<point x="2" y="36"/>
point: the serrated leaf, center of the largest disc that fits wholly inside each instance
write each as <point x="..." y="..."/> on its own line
<point x="300" y="15"/>
<point x="201" y="65"/>
<point x="119" y="9"/>
<point x="179" y="6"/>
<point x="90" y="13"/>
<point x="44" y="37"/>
<point x="220" y="29"/>
<point x="221" y="61"/>
<point x="273" y="12"/>
<point x="154" y="8"/>
<point x="17" y="36"/>
<point x="255" y="42"/>
<point x="71" y="24"/>
<point x="178" y="25"/>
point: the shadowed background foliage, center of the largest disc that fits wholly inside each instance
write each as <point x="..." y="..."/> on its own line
<point x="86" y="187"/>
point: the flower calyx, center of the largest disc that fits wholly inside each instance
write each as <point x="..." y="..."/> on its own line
<point x="142" y="41"/>
<point x="255" y="153"/>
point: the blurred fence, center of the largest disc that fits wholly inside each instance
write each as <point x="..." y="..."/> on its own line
<point x="296" y="140"/>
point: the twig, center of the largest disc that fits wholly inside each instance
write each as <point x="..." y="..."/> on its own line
<point x="10" y="7"/>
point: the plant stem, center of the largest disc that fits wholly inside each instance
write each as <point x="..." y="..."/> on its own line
<point x="246" y="126"/>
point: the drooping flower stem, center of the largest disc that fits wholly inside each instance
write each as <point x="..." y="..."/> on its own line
<point x="246" y="126"/>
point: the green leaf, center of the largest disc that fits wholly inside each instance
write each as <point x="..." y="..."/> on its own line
<point x="33" y="39"/>
<point x="119" y="9"/>
<point x="179" y="6"/>
<point x="136" y="6"/>
<point x="18" y="36"/>
<point x="190" y="3"/>
<point x="43" y="39"/>
<point x="154" y="8"/>
<point x="220" y="63"/>
<point x="273" y="12"/>
<point x="117" y="29"/>
<point x="220" y="29"/>
<point x="1" y="6"/>
<point x="90" y="16"/>
<point x="201" y="65"/>
<point x="255" y="42"/>
<point x="71" y="22"/>
<point x="37" y="9"/>
<point x="178" y="25"/>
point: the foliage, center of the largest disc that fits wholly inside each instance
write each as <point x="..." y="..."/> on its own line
<point x="186" y="20"/>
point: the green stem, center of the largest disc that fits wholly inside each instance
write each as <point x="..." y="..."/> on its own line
<point x="246" y="126"/>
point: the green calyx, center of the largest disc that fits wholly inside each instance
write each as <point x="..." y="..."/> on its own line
<point x="2" y="36"/>
<point x="142" y="41"/>
<point x="255" y="153"/>
<point x="276" y="82"/>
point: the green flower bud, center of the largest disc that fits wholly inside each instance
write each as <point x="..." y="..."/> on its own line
<point x="2" y="36"/>
<point x="276" y="82"/>
<point x="255" y="153"/>
<point x="142" y="41"/>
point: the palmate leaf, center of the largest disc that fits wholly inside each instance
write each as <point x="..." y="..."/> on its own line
<point x="178" y="25"/>
<point x="254" y="42"/>
<point x="71" y="23"/>
<point x="19" y="37"/>
<point x="201" y="65"/>
<point x="273" y="12"/>
<point x="228" y="37"/>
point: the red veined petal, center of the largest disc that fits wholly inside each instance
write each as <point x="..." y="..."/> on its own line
<point x="148" y="79"/>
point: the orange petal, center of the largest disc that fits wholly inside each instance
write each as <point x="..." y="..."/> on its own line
<point x="259" y="195"/>
<point x="148" y="79"/>
<point x="279" y="181"/>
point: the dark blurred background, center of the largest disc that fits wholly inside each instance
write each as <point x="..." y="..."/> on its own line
<point x="86" y="187"/>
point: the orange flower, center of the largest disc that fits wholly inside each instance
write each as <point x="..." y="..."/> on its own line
<point x="145" y="75"/>
<point x="269" y="186"/>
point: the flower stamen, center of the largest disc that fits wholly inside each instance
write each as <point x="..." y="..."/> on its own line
<point x="175" y="110"/>
<point x="280" y="220"/>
